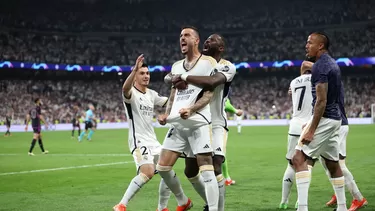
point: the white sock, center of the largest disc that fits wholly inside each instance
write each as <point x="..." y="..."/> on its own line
<point x="339" y="187"/>
<point x="350" y="182"/>
<point x="303" y="179"/>
<point x="287" y="183"/>
<point x="164" y="195"/>
<point x="239" y="128"/>
<point x="171" y="180"/>
<point x="199" y="186"/>
<point x="211" y="187"/>
<point x="221" y="184"/>
<point x="134" y="186"/>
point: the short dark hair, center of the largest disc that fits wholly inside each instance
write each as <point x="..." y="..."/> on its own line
<point x="36" y="100"/>
<point x="191" y="27"/>
<point x="324" y="38"/>
<point x="222" y="38"/>
<point x="144" y="65"/>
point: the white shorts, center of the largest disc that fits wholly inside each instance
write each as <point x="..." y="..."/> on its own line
<point x="146" y="155"/>
<point x="191" y="141"/>
<point x="325" y="142"/>
<point x="219" y="140"/>
<point x="344" y="130"/>
<point x="291" y="149"/>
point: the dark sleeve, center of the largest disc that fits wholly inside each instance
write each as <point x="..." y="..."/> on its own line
<point x="322" y="76"/>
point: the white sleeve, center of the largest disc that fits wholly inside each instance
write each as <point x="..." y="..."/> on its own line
<point x="128" y="100"/>
<point x="159" y="100"/>
<point x="228" y="70"/>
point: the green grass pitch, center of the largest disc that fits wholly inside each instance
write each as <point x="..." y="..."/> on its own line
<point x="256" y="161"/>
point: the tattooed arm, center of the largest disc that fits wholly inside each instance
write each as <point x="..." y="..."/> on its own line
<point x="162" y="119"/>
<point x="201" y="103"/>
<point x="170" y="101"/>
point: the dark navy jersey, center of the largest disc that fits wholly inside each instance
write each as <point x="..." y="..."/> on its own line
<point x="35" y="116"/>
<point x="326" y="70"/>
<point x="344" y="119"/>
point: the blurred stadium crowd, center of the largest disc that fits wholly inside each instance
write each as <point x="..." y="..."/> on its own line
<point x="257" y="101"/>
<point x="116" y="32"/>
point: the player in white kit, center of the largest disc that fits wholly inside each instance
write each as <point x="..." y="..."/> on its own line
<point x="300" y="90"/>
<point x="189" y="114"/>
<point x="220" y="81"/>
<point x="139" y="102"/>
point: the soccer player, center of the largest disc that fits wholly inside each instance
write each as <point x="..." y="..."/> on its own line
<point x="238" y="112"/>
<point x="320" y="135"/>
<point x="89" y="121"/>
<point x="300" y="90"/>
<point x="75" y="121"/>
<point x="8" y="121"/>
<point x="238" y="119"/>
<point x="189" y="114"/>
<point x="35" y="114"/>
<point x="358" y="200"/>
<point x="220" y="81"/>
<point x="139" y="102"/>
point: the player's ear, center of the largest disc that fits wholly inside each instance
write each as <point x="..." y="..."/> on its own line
<point x="321" y="46"/>
<point x="221" y="48"/>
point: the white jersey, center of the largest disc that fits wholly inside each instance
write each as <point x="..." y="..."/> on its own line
<point x="187" y="97"/>
<point x="302" y="103"/>
<point x="217" y="104"/>
<point x="140" y="112"/>
<point x="238" y="118"/>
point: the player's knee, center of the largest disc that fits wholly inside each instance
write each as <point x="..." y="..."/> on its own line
<point x="333" y="167"/>
<point x="204" y="159"/>
<point x="148" y="170"/>
<point x="298" y="158"/>
<point x="168" y="157"/>
<point x="191" y="167"/>
<point x="218" y="162"/>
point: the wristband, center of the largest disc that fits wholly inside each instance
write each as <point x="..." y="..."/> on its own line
<point x="184" y="76"/>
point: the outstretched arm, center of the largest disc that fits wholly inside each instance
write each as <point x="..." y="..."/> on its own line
<point x="229" y="107"/>
<point x="209" y="82"/>
<point x="127" y="86"/>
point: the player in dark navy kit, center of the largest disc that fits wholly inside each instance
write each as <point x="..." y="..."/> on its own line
<point x="8" y="121"/>
<point x="75" y="121"/>
<point x="320" y="136"/>
<point x="35" y="115"/>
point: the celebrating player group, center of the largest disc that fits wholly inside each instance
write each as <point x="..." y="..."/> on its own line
<point x="198" y="129"/>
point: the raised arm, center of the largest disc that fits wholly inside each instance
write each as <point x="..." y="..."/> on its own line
<point x="127" y="86"/>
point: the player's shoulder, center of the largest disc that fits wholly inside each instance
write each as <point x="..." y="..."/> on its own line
<point x="209" y="59"/>
<point x="228" y="64"/>
<point x="151" y="92"/>
<point x="179" y="62"/>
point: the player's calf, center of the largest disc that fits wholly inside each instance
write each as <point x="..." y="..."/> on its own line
<point x="338" y="182"/>
<point x="211" y="187"/>
<point x="195" y="178"/>
<point x="166" y="161"/>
